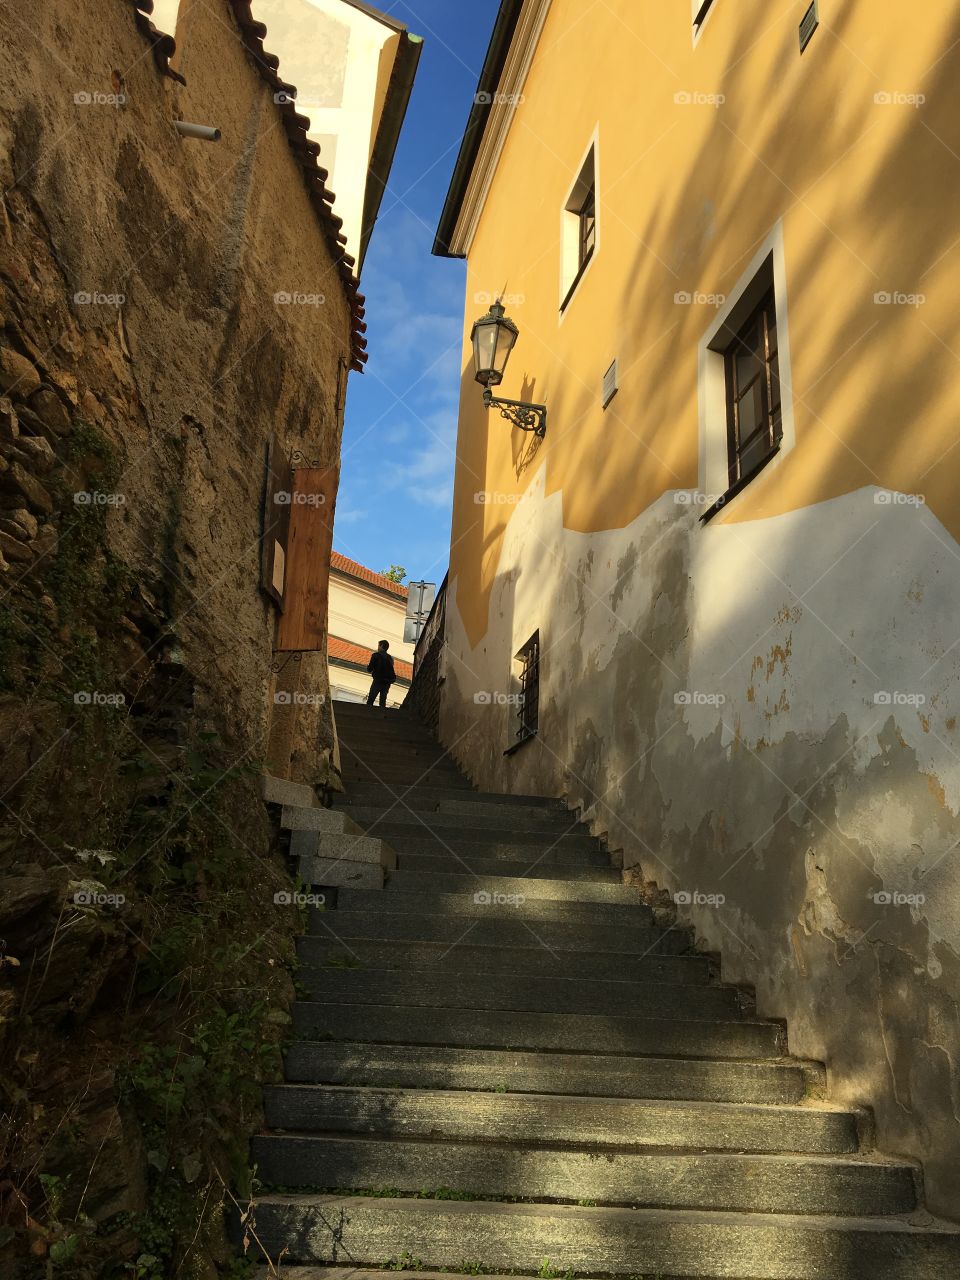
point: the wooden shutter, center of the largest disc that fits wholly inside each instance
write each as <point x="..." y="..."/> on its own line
<point x="276" y="522"/>
<point x="303" y="624"/>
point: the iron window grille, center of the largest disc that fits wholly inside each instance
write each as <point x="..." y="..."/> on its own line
<point x="528" y="712"/>
<point x="588" y="227"/>
<point x="754" y="418"/>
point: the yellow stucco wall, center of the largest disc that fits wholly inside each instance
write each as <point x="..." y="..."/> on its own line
<point x="867" y="192"/>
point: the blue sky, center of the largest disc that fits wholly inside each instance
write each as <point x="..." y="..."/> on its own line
<point x="399" y="437"/>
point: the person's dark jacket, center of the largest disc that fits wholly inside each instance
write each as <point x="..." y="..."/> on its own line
<point x="380" y="667"/>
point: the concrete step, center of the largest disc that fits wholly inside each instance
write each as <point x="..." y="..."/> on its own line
<point x="398" y="825"/>
<point x="382" y="753"/>
<point x="282" y="791"/>
<point x="592" y="1075"/>
<point x="520" y="992"/>
<point x="317" y="952"/>
<point x="450" y="851"/>
<point x="350" y="1273"/>
<point x="485" y="900"/>
<point x="746" y="1183"/>
<point x="439" y="797"/>
<point x="407" y="837"/>
<point x="571" y="1033"/>
<point x="402" y="775"/>
<point x="466" y="878"/>
<point x="547" y="1121"/>
<point x="605" y="1241"/>
<point x="478" y="818"/>
<point x="493" y="930"/>
<point x="441" y="873"/>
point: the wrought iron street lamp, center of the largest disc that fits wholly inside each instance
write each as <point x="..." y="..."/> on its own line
<point x="493" y="337"/>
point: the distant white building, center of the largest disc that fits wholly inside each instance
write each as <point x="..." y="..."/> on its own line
<point x="365" y="608"/>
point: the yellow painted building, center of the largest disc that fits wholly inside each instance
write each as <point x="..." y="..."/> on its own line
<point x="729" y="572"/>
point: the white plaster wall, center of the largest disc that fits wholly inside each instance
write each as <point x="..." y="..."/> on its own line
<point x="767" y="711"/>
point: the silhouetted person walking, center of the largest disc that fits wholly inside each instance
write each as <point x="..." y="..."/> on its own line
<point x="380" y="667"/>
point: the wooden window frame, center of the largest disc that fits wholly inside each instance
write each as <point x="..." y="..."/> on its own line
<point x="771" y="425"/>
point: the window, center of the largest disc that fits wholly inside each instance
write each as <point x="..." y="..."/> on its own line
<point x="752" y="372"/>
<point x="579" y="231"/>
<point x="528" y="712"/>
<point x="746" y="407"/>
<point x="588" y="226"/>
<point x="700" y="10"/>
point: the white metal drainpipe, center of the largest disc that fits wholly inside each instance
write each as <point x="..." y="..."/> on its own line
<point x="205" y="132"/>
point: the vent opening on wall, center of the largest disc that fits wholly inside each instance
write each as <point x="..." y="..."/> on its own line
<point x="809" y="24"/>
<point x="611" y="384"/>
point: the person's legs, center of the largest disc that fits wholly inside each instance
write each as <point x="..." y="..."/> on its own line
<point x="374" y="689"/>
<point x="384" y="689"/>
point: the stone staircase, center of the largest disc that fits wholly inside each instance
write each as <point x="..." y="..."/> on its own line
<point x="507" y="1063"/>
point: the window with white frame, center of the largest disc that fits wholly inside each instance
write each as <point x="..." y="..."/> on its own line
<point x="746" y="412"/>
<point x="579" y="237"/>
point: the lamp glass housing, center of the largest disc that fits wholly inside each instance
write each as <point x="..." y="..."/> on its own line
<point x="493" y="336"/>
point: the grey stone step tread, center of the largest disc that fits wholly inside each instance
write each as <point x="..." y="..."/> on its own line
<point x="548" y="1120"/>
<point x="443" y="871"/>
<point x="469" y="880"/>
<point x="364" y="1273"/>
<point x="315" y="952"/>
<point x="477" y="901"/>
<point x="514" y="819"/>
<point x="425" y="797"/>
<point x="378" y="925"/>
<point x="581" y="850"/>
<point x="521" y="993"/>
<point x="742" y="1182"/>
<point x="403" y="777"/>
<point x="585" y="1074"/>
<point x="456" y="834"/>
<point x="606" y="1241"/>
<point x="577" y="1033"/>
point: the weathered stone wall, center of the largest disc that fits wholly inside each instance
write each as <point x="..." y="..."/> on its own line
<point x="424" y="695"/>
<point x="779" y="742"/>
<point x="184" y="378"/>
<point x="143" y="364"/>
